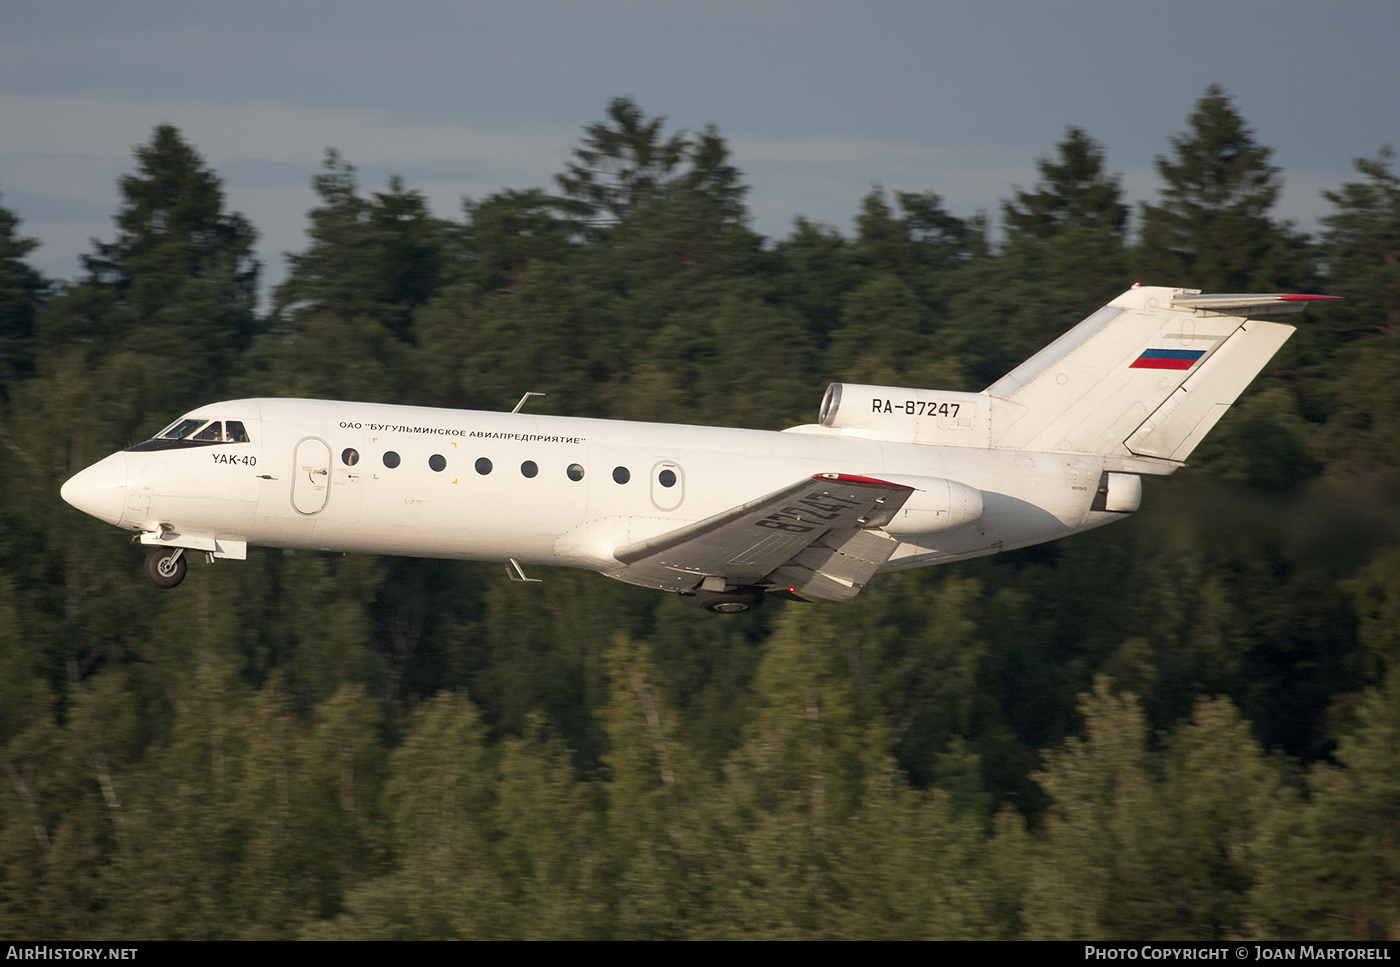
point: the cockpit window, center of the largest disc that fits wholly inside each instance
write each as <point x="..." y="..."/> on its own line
<point x="179" y="429"/>
<point x="196" y="433"/>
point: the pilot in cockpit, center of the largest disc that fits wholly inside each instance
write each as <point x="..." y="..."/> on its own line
<point x="186" y="431"/>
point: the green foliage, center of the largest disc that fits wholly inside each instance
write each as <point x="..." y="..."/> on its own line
<point x="176" y="289"/>
<point x="506" y="232"/>
<point x="919" y="241"/>
<point x="1100" y="829"/>
<point x="378" y="258"/>
<point x="1212" y="227"/>
<point x="1333" y="865"/>
<point x="21" y="293"/>
<point x="1064" y="256"/>
<point x="816" y="272"/>
<point x="1074" y="193"/>
<point x="1150" y="846"/>
<point x="167" y="307"/>
<point x="620" y="167"/>
<point x="1361" y="246"/>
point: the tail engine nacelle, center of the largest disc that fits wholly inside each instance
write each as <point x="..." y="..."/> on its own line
<point x="907" y="415"/>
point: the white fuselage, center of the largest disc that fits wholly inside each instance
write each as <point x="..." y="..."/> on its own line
<point x="318" y="475"/>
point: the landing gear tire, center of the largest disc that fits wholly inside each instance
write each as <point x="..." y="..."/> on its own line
<point x="166" y="566"/>
<point x="725" y="602"/>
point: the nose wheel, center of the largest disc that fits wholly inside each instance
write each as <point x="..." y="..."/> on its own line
<point x="166" y="566"/>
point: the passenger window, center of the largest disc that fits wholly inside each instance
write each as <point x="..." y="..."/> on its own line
<point x="391" y="459"/>
<point x="529" y="469"/>
<point x="350" y="456"/>
<point x="667" y="478"/>
<point x="438" y="462"/>
<point x="622" y="474"/>
<point x="575" y="472"/>
<point x="483" y="466"/>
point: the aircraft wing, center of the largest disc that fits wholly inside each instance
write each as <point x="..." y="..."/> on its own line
<point x="814" y="537"/>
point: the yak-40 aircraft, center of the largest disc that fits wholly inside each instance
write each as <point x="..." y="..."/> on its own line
<point x="887" y="478"/>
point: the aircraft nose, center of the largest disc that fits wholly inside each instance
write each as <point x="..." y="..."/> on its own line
<point x="100" y="490"/>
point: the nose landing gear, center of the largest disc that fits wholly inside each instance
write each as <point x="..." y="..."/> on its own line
<point x="166" y="566"/>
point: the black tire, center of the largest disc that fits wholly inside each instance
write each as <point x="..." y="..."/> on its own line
<point x="164" y="572"/>
<point x="726" y="602"/>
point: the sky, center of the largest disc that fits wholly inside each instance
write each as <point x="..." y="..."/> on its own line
<point x="818" y="100"/>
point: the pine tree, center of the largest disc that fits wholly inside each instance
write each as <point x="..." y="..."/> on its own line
<point x="508" y="231"/>
<point x="817" y="271"/>
<point x="175" y="243"/>
<point x="21" y="292"/>
<point x="1220" y="792"/>
<point x="1331" y="867"/>
<point x="1212" y="229"/>
<point x="1361" y="247"/>
<point x="1074" y="193"/>
<point x="794" y="786"/>
<point x="1063" y="257"/>
<point x="166" y="307"/>
<point x="1094" y="876"/>
<point x="662" y="866"/>
<point x="438" y="797"/>
<point x="376" y="258"/>
<point x="622" y="163"/>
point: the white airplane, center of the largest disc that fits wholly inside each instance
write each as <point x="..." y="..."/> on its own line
<point x="888" y="478"/>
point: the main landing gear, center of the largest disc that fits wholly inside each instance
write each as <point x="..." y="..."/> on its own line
<point x="725" y="602"/>
<point x="166" y="566"/>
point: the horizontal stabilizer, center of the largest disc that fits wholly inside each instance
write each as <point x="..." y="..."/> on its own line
<point x="1250" y="304"/>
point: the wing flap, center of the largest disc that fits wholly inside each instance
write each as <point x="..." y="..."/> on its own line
<point x="838" y="566"/>
<point x="822" y="521"/>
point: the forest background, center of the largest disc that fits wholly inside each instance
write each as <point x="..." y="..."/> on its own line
<point x="1183" y="726"/>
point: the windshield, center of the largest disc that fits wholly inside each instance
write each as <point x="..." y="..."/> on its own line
<point x="186" y="432"/>
<point x="179" y="429"/>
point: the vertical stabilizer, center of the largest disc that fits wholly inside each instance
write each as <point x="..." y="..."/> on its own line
<point x="1181" y="422"/>
<point x="1148" y="374"/>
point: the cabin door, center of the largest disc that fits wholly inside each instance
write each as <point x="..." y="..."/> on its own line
<point x="311" y="476"/>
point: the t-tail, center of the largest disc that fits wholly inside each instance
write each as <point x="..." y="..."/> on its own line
<point x="1148" y="375"/>
<point x="1144" y="378"/>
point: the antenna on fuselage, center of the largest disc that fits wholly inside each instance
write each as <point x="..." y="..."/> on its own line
<point x="523" y="399"/>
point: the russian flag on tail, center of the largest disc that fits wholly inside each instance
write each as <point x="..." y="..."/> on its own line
<point x="1166" y="359"/>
